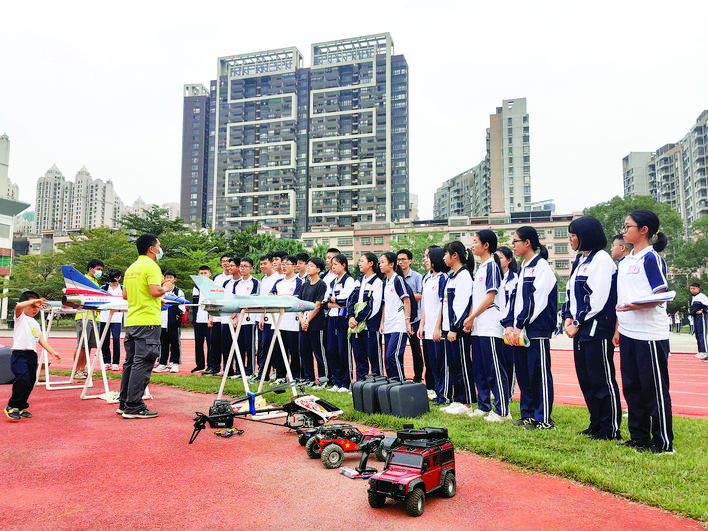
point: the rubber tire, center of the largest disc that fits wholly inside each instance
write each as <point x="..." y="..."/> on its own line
<point x="311" y="448"/>
<point x="332" y="456"/>
<point x="302" y="439"/>
<point x="449" y="486"/>
<point x="381" y="453"/>
<point x="377" y="500"/>
<point x="415" y="502"/>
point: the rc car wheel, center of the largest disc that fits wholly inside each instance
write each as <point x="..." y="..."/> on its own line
<point x="312" y="448"/>
<point x="377" y="500"/>
<point x="332" y="456"/>
<point x="449" y="487"/>
<point x="303" y="438"/>
<point x="381" y="453"/>
<point x="415" y="502"/>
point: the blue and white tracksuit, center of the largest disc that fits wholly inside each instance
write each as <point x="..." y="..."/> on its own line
<point x="431" y="302"/>
<point x="366" y="345"/>
<point x="455" y="309"/>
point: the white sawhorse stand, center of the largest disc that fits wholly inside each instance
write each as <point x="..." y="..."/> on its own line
<point x="237" y="351"/>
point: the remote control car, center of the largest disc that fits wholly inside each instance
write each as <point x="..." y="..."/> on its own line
<point x="420" y="462"/>
<point x="331" y="441"/>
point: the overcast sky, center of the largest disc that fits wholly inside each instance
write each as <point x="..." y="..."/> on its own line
<point x="99" y="84"/>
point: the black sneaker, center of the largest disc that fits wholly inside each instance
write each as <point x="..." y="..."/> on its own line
<point x="588" y="431"/>
<point x="144" y="414"/>
<point x="523" y="421"/>
<point x="654" y="450"/>
<point x="535" y="425"/>
<point x="120" y="410"/>
<point x="209" y="372"/>
<point x="25" y="414"/>
<point x="12" y="413"/>
<point x="196" y="369"/>
<point x="634" y="443"/>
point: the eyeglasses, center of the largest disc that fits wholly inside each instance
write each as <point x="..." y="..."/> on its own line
<point x="403" y="259"/>
<point x="627" y="227"/>
<point x="514" y="242"/>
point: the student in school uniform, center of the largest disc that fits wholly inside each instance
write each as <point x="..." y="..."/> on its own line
<point x="642" y="336"/>
<point x="455" y="309"/>
<point x="312" y="326"/>
<point x="246" y="286"/>
<point x="200" y="320"/>
<point x="697" y="315"/>
<point x="214" y="323"/>
<point x="364" y="306"/>
<point x="290" y="284"/>
<point x="590" y="319"/>
<point x="430" y="329"/>
<point x="396" y="320"/>
<point x="265" y="323"/>
<point x="509" y="278"/>
<point x="533" y="316"/>
<point x="338" y="352"/>
<point x="486" y="331"/>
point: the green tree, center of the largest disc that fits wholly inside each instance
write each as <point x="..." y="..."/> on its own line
<point x="112" y="247"/>
<point x="41" y="274"/>
<point x="154" y="221"/>
<point x="417" y="243"/>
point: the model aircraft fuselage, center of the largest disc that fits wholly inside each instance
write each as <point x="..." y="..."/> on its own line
<point x="217" y="301"/>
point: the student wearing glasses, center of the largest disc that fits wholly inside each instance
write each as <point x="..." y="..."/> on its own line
<point x="642" y="336"/>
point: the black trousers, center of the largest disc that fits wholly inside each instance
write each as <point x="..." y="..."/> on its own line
<point x="24" y="366"/>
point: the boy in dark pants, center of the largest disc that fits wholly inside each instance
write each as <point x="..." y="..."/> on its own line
<point x="23" y="362"/>
<point x="202" y="332"/>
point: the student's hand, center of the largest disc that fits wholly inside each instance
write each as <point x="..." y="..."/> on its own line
<point x="571" y="330"/>
<point x="305" y="325"/>
<point x="421" y="336"/>
<point x="452" y="336"/>
<point x="509" y="335"/>
<point x="516" y="336"/>
<point x="260" y="325"/>
<point x="381" y="329"/>
<point x="56" y="356"/>
<point x="616" y="339"/>
<point x="210" y="323"/>
<point x="437" y="335"/>
<point x="409" y="329"/>
<point x="352" y="322"/>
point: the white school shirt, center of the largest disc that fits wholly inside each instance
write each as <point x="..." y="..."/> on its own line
<point x="245" y="288"/>
<point x="640" y="275"/>
<point x="288" y="287"/>
<point x="488" y="278"/>
<point x="457" y="298"/>
<point x="394" y="317"/>
<point x="117" y="316"/>
<point x="432" y="301"/>
<point x="341" y="290"/>
<point x="221" y="280"/>
<point x="266" y="286"/>
<point x="202" y="315"/>
<point x="25" y="335"/>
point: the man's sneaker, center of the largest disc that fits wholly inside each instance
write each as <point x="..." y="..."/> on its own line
<point x="25" y="414"/>
<point x="80" y="375"/>
<point x="160" y="368"/>
<point x="605" y="437"/>
<point x="457" y="409"/>
<point x="634" y="443"/>
<point x="702" y="355"/>
<point x="651" y="449"/>
<point x="120" y="410"/>
<point x="278" y="381"/>
<point x="144" y="414"/>
<point x="335" y="388"/>
<point x="12" y="413"/>
<point x="477" y="413"/>
<point x="209" y="372"/>
<point x="196" y="369"/>
<point x="587" y="431"/>
<point x="523" y="421"/>
<point x="175" y="368"/>
<point x="495" y="417"/>
<point x="535" y="425"/>
<point x="343" y="390"/>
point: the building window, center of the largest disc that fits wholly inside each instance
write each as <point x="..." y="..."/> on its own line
<point x="560" y="232"/>
<point x="562" y="264"/>
<point x="344" y="241"/>
<point x="561" y="248"/>
<point x="366" y="240"/>
<point x="378" y="240"/>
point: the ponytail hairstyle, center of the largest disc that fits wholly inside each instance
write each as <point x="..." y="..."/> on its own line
<point x="341" y="259"/>
<point x="465" y="255"/>
<point x="526" y="232"/>
<point x="647" y="218"/>
<point x="509" y="255"/>
<point x="435" y="255"/>
<point x="391" y="259"/>
<point x="371" y="257"/>
<point x="488" y="236"/>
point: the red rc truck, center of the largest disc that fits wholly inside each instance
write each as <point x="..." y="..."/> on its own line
<point x="331" y="441"/>
<point x="419" y="462"/>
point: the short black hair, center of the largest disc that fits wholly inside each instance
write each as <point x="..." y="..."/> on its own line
<point x="247" y="260"/>
<point x="290" y="258"/>
<point x="333" y="250"/>
<point x="268" y="257"/>
<point x="113" y="275"/>
<point x="318" y="263"/>
<point x="302" y="257"/>
<point x="205" y="268"/>
<point x="226" y="255"/>
<point x="27" y="295"/>
<point x="695" y="285"/>
<point x="170" y="272"/>
<point x="589" y="231"/>
<point x="408" y="254"/>
<point x="94" y="263"/>
<point x="144" y="242"/>
<point x="279" y="254"/>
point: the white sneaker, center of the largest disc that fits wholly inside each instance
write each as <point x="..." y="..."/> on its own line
<point x="343" y="390"/>
<point x="457" y="409"/>
<point x="445" y="408"/>
<point x="431" y="394"/>
<point x="495" y="417"/>
<point x="702" y="355"/>
<point x="160" y="368"/>
<point x="175" y="368"/>
<point x="335" y="388"/>
<point x="477" y="413"/>
<point x="115" y="367"/>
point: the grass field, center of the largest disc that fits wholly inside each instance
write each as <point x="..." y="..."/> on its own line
<point x="677" y="482"/>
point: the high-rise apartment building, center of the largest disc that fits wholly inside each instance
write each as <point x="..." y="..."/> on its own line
<point x="501" y="182"/>
<point x="676" y="173"/>
<point x="195" y="150"/>
<point x="62" y="206"/>
<point x="297" y="147"/>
